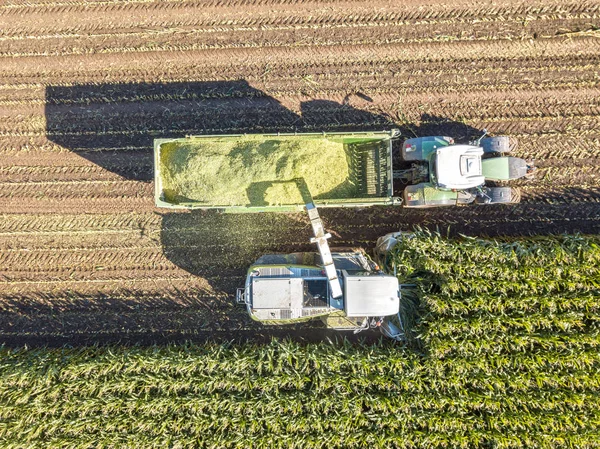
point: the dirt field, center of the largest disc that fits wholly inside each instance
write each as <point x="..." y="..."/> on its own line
<point x="86" y="86"/>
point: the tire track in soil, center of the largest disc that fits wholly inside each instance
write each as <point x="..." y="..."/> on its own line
<point x="327" y="34"/>
<point x="23" y="69"/>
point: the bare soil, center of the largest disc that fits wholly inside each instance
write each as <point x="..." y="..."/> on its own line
<point x="86" y="86"/>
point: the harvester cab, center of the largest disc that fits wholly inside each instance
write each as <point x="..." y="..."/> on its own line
<point x="443" y="173"/>
<point x="346" y="289"/>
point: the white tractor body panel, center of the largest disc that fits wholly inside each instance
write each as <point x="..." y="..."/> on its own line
<point x="459" y="167"/>
<point x="371" y="295"/>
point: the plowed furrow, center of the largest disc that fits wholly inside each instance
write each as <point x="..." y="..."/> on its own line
<point x="23" y="145"/>
<point x="118" y="302"/>
<point x="101" y="165"/>
<point x="562" y="195"/>
<point x="116" y="259"/>
<point x="537" y="126"/>
<point x="75" y="205"/>
<point x="78" y="242"/>
<point x="178" y="289"/>
<point x="560" y="147"/>
<point x="168" y="87"/>
<point x="155" y="255"/>
<point x="79" y="261"/>
<point x="322" y="12"/>
<point x="57" y="277"/>
<point x="282" y="49"/>
<point x="492" y="220"/>
<point x="119" y="298"/>
<point x="554" y="172"/>
<point x="223" y="284"/>
<point x="308" y="56"/>
<point x="50" y="246"/>
<point x="78" y="223"/>
<point x="76" y="189"/>
<point x="80" y="325"/>
<point x="406" y="83"/>
<point x="267" y="28"/>
<point x="41" y="150"/>
<point x="555" y="103"/>
<point x="190" y="72"/>
<point x="24" y="173"/>
<point x="325" y="34"/>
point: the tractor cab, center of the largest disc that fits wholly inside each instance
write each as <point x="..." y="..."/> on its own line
<point x="456" y="167"/>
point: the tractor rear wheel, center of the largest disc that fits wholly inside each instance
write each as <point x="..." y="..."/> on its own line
<point x="496" y="145"/>
<point x="504" y="195"/>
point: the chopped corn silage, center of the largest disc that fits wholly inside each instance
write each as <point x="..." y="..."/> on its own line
<point x="254" y="171"/>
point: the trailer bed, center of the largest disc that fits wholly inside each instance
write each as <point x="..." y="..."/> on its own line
<point x="262" y="172"/>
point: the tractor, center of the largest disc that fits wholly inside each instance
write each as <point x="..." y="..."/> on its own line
<point x="443" y="173"/>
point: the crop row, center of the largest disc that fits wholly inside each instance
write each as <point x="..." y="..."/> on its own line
<point x="490" y="297"/>
<point x="356" y="392"/>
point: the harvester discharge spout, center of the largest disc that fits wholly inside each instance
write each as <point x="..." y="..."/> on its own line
<point x="320" y="239"/>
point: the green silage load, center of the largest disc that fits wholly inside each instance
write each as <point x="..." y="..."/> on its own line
<point x="253" y="171"/>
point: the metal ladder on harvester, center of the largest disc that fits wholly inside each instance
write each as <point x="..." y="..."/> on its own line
<point x="320" y="239"/>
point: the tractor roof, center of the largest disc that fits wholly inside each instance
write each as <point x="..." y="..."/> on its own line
<point x="458" y="167"/>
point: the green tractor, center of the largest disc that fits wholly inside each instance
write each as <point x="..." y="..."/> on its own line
<point x="443" y="173"/>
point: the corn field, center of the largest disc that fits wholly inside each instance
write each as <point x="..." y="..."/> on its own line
<point x="505" y="354"/>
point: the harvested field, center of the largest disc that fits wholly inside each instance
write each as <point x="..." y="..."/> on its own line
<point x="85" y="87"/>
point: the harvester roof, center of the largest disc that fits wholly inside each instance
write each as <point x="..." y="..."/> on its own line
<point x="369" y="294"/>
